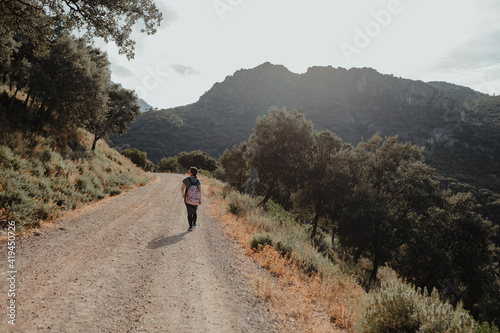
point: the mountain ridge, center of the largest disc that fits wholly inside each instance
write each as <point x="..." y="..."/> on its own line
<point x="249" y="93"/>
<point x="461" y="138"/>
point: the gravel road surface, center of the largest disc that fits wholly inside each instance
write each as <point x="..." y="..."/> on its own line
<point x="128" y="264"/>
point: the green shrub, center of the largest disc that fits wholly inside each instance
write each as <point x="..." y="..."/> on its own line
<point x="46" y="155"/>
<point x="113" y="190"/>
<point x="206" y="173"/>
<point x="279" y="212"/>
<point x="260" y="239"/>
<point x="168" y="164"/>
<point x="237" y="204"/>
<point x="323" y="244"/>
<point x="487" y="328"/>
<point x="234" y="209"/>
<point x="138" y="157"/>
<point x="198" y="159"/>
<point x="398" y="307"/>
<point x="37" y="182"/>
<point x="284" y="248"/>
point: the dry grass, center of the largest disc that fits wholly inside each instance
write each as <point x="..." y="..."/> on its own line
<point x="42" y="178"/>
<point x="300" y="302"/>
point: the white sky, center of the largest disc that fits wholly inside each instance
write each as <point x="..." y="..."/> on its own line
<point x="201" y="42"/>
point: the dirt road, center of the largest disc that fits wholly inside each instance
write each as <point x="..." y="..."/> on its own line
<point x="128" y="264"/>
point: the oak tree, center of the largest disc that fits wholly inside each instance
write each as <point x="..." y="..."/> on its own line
<point x="38" y="20"/>
<point x="121" y="110"/>
<point x="279" y="148"/>
<point x="235" y="167"/>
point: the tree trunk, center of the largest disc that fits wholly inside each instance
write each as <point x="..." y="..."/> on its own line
<point x="27" y="99"/>
<point x="39" y="116"/>
<point x="268" y="195"/>
<point x="31" y="105"/>
<point x="13" y="98"/>
<point x="334" y="232"/>
<point x="373" y="275"/>
<point x="315" y="225"/>
<point x="96" y="138"/>
<point x="357" y="255"/>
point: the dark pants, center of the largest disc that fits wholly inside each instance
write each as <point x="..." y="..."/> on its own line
<point x="192" y="214"/>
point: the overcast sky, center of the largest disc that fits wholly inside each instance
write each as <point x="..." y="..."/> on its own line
<point x="201" y="42"/>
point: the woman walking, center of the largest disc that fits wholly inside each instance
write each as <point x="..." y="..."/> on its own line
<point x="191" y="192"/>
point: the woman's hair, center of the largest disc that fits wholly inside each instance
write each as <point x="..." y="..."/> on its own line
<point x="194" y="171"/>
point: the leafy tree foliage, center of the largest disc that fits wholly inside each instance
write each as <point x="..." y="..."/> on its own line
<point x="236" y="171"/>
<point x="320" y="189"/>
<point x="390" y="186"/>
<point x="198" y="159"/>
<point x="450" y="249"/>
<point x="168" y="164"/>
<point x="384" y="203"/>
<point x="79" y="83"/>
<point x="122" y="109"/>
<point x="79" y="93"/>
<point x="38" y="20"/>
<point x="138" y="157"/>
<point x="279" y="150"/>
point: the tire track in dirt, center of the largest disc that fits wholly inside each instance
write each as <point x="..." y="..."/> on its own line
<point x="127" y="264"/>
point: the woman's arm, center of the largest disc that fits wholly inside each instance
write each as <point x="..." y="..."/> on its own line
<point x="182" y="189"/>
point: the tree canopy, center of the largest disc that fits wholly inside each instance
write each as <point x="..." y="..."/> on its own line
<point x="381" y="202"/>
<point x="122" y="108"/>
<point x="279" y="149"/>
<point x="68" y="87"/>
<point x="236" y="171"/>
<point x="38" y="20"/>
<point x="198" y="159"/>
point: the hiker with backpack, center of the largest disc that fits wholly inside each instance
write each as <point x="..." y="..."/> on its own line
<point x="191" y="192"/>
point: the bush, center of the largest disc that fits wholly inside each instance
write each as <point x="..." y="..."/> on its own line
<point x="168" y="164"/>
<point x="260" y="239"/>
<point x="398" y="307"/>
<point x="138" y="157"/>
<point x="37" y="183"/>
<point x="198" y="159"/>
<point x="237" y="204"/>
<point x="486" y="328"/>
<point x="234" y="209"/>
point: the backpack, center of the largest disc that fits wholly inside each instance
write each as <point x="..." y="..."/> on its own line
<point x="193" y="194"/>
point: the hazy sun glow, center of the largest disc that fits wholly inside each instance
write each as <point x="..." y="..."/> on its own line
<point x="201" y="42"/>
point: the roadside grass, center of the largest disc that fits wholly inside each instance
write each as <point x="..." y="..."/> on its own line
<point x="310" y="288"/>
<point x="41" y="179"/>
<point x="305" y="291"/>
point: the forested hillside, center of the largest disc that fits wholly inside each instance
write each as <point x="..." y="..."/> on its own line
<point x="53" y="87"/>
<point x="462" y="140"/>
<point x="379" y="203"/>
